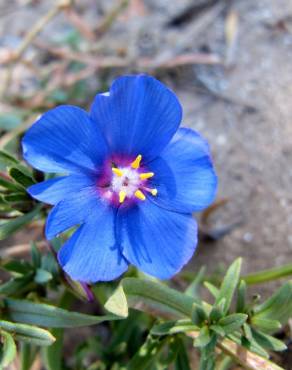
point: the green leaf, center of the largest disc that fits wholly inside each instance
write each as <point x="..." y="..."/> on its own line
<point x="7" y="159"/>
<point x="204" y="337"/>
<point x="216" y="312"/>
<point x="218" y="330"/>
<point x="212" y="289"/>
<point x="207" y="363"/>
<point x="182" y="360"/>
<point x="42" y="276"/>
<point x="28" y="333"/>
<point x="173" y="327"/>
<point x="52" y="355"/>
<point x="247" y="331"/>
<point x="16" y="285"/>
<point x="117" y="303"/>
<point x="35" y="255"/>
<point x="21" y="176"/>
<point x="149" y="296"/>
<point x="232" y="322"/>
<point x="17" y="266"/>
<point x="229" y="284"/>
<point x="50" y="316"/>
<point x="10" y="227"/>
<point x="267" y="341"/>
<point x="278" y="307"/>
<point x="198" y="314"/>
<point x="9" y="185"/>
<point x="8" y="351"/>
<point x="253" y="346"/>
<point x="241" y="294"/>
<point x="146" y="355"/>
<point x="28" y="352"/>
<point x="16" y="197"/>
<point x="268" y="275"/>
<point x="266" y="325"/>
<point x="193" y="289"/>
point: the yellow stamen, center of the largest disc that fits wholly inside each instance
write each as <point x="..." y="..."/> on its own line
<point x="122" y="196"/>
<point x="154" y="192"/>
<point x="146" y="175"/>
<point x="117" y="171"/>
<point x="136" y="163"/>
<point x="139" y="195"/>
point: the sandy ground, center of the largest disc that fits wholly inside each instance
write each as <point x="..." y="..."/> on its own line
<point x="244" y="109"/>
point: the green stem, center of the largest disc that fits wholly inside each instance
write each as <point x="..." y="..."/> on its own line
<point x="268" y="275"/>
<point x="25" y="356"/>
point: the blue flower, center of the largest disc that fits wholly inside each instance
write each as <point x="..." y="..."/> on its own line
<point x="132" y="180"/>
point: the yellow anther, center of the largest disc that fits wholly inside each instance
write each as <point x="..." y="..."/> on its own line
<point x="154" y="192"/>
<point x="117" y="171"/>
<point x="122" y="196"/>
<point x="146" y="175"/>
<point x="139" y="195"/>
<point x="136" y="163"/>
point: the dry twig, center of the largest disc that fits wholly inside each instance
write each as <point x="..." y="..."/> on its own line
<point x="30" y="36"/>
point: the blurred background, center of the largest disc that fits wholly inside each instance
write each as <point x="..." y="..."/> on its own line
<point x="230" y="63"/>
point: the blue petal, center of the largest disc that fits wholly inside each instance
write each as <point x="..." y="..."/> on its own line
<point x="92" y="253"/>
<point x="64" y="139"/>
<point x="157" y="241"/>
<point x="138" y="116"/>
<point x="54" y="190"/>
<point x="184" y="174"/>
<point x="72" y="211"/>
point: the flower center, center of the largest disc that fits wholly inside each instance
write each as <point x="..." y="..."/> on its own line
<point x="129" y="181"/>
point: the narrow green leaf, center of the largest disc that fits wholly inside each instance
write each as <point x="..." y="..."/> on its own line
<point x="267" y="341"/>
<point x="182" y="360"/>
<point x="207" y="363"/>
<point x="16" y="197"/>
<point x="204" y="337"/>
<point x="193" y="289"/>
<point x="146" y="355"/>
<point x="229" y="284"/>
<point x="28" y="352"/>
<point x="218" y="330"/>
<point x="21" y="176"/>
<point x="8" y="351"/>
<point x="9" y="185"/>
<point x="17" y="266"/>
<point x="10" y="227"/>
<point x="52" y="355"/>
<point x="198" y="314"/>
<point x="241" y="294"/>
<point x="16" y="285"/>
<point x="173" y="327"/>
<point x="50" y="316"/>
<point x="117" y="303"/>
<point x="7" y="159"/>
<point x="254" y="347"/>
<point x="28" y="333"/>
<point x="35" y="255"/>
<point x="278" y="307"/>
<point x="212" y="289"/>
<point x="247" y="331"/>
<point x="267" y="325"/>
<point x="268" y="275"/>
<point x="232" y="322"/>
<point x="225" y="363"/>
<point x="150" y="296"/>
<point x="216" y="312"/>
